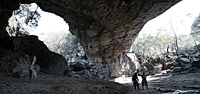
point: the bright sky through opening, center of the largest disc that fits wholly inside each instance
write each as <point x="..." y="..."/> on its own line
<point x="181" y="16"/>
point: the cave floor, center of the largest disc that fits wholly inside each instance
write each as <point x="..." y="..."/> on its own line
<point x="177" y="83"/>
<point x="180" y="83"/>
<point x="51" y="84"/>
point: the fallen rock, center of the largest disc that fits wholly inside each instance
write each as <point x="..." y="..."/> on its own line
<point x="185" y="60"/>
<point x="157" y="69"/>
<point x="176" y="69"/>
<point x="167" y="65"/>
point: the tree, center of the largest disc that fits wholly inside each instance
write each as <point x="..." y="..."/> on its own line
<point x="196" y="27"/>
<point x="195" y="32"/>
<point x="151" y="45"/>
<point x="23" y="19"/>
<point x="64" y="43"/>
<point x="175" y="38"/>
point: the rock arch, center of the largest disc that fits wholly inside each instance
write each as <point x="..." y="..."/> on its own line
<point x="106" y="28"/>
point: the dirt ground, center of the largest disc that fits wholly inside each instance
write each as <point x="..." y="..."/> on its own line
<point x="180" y="83"/>
<point x="50" y="84"/>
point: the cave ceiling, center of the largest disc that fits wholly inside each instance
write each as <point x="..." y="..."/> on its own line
<point x="105" y="28"/>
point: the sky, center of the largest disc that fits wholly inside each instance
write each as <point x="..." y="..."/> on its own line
<point x="49" y="25"/>
<point x="50" y="22"/>
<point x="181" y="16"/>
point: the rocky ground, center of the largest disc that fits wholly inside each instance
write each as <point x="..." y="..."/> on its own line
<point x="176" y="83"/>
<point x="179" y="83"/>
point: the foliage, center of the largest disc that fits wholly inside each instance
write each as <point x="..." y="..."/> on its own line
<point x="196" y="29"/>
<point x="150" y="45"/>
<point x="26" y="16"/>
<point x="64" y="43"/>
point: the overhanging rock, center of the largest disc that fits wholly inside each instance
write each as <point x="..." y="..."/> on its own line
<point x="106" y="28"/>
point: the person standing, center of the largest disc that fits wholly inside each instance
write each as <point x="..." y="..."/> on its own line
<point x="135" y="80"/>
<point x="144" y="80"/>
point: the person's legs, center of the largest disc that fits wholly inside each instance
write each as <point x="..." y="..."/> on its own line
<point x="134" y="85"/>
<point x="138" y="86"/>
<point x="142" y="85"/>
<point x="146" y="84"/>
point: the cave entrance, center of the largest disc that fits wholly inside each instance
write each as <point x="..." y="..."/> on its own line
<point x="160" y="32"/>
<point x="52" y="30"/>
<point x="173" y="31"/>
<point x="29" y="19"/>
<point x="63" y="39"/>
<point x="169" y="42"/>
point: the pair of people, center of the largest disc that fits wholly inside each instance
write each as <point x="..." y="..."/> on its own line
<point x="135" y="80"/>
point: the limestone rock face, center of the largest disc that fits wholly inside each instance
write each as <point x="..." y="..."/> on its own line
<point x="13" y="49"/>
<point x="24" y="68"/>
<point x="125" y="64"/>
<point x="106" y="28"/>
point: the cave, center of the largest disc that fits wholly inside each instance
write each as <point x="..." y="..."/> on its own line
<point x="105" y="29"/>
<point x="96" y="23"/>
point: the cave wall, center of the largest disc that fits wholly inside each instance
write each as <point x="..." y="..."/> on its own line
<point x="106" y="28"/>
<point x="6" y="9"/>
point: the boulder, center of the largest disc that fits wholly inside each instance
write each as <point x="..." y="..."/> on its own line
<point x="47" y="61"/>
<point x="56" y="64"/>
<point x="176" y="69"/>
<point x="185" y="60"/>
<point x="157" y="69"/>
<point x="196" y="64"/>
<point x="167" y="65"/>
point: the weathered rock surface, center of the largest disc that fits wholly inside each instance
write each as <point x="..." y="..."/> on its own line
<point x="124" y="65"/>
<point x="25" y="68"/>
<point x="106" y="28"/>
<point x="13" y="49"/>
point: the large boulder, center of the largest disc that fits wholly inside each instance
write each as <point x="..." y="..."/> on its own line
<point x="16" y="47"/>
